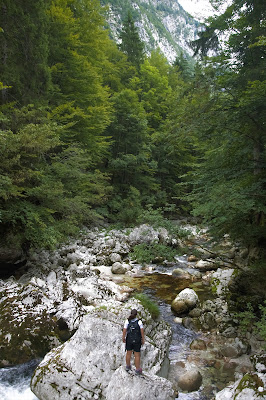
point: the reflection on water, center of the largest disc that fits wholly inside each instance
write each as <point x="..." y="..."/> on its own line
<point x="15" y="381"/>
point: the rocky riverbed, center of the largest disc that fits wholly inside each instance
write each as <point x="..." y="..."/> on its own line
<point x="69" y="306"/>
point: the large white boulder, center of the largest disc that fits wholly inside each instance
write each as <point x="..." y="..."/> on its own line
<point x="127" y="386"/>
<point x="185" y="301"/>
<point x="85" y="364"/>
<point x="147" y="234"/>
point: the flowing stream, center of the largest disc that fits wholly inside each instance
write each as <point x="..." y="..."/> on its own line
<point x="162" y="287"/>
<point x="15" y="381"/>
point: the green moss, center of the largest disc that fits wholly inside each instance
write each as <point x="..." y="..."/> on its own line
<point x="251" y="381"/>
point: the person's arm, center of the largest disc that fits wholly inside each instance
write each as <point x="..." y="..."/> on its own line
<point x="124" y="335"/>
<point x="142" y="336"/>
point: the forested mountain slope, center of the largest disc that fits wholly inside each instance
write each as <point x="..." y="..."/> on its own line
<point x="91" y="129"/>
<point x="162" y="24"/>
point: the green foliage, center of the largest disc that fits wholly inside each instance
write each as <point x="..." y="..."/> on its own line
<point x="24" y="50"/>
<point x="131" y="44"/>
<point x="147" y="253"/>
<point x="246" y="318"/>
<point x="228" y="127"/>
<point x="150" y="305"/>
<point x="125" y="210"/>
<point x="46" y="190"/>
<point x="155" y="218"/>
<point x="261" y="324"/>
<point x="87" y="128"/>
<point x="249" y="319"/>
<point x="50" y="181"/>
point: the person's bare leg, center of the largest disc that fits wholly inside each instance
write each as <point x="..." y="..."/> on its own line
<point x="137" y="359"/>
<point x="128" y="357"/>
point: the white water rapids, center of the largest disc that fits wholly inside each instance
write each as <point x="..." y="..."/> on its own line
<point x="15" y="382"/>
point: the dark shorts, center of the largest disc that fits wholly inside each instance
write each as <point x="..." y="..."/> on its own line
<point x="133" y="346"/>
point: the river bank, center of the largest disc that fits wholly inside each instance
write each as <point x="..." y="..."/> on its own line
<point x="91" y="280"/>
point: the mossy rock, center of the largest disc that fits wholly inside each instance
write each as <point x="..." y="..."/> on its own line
<point x="251" y="381"/>
<point x="25" y="335"/>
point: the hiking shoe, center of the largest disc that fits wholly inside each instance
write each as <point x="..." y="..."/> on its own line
<point x="139" y="371"/>
<point x="128" y="368"/>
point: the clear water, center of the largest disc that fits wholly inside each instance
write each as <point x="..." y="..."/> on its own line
<point x="15" y="381"/>
<point x="163" y="287"/>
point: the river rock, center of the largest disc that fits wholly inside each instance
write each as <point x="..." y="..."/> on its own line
<point x="25" y="333"/>
<point x="208" y="320"/>
<point x="180" y="273"/>
<point x="192" y="258"/>
<point x="147" y="386"/>
<point x="190" y="381"/>
<point x="147" y="234"/>
<point x="118" y="268"/>
<point x="234" y="348"/>
<point x="115" y="257"/>
<point x="185" y="301"/>
<point x="195" y="313"/>
<point x="188" y="323"/>
<point x="220" y="281"/>
<point x="198" y="344"/>
<point x="85" y="364"/>
<point x="179" y="306"/>
<point x="206" y="265"/>
<point x="251" y="387"/>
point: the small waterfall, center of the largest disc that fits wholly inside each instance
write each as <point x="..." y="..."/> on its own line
<point x="15" y="381"/>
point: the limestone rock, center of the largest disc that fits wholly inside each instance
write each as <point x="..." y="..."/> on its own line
<point x="31" y="308"/>
<point x="85" y="364"/>
<point x="234" y="348"/>
<point x="206" y="265"/>
<point x="115" y="257"/>
<point x="147" y="234"/>
<point x="147" y="386"/>
<point x="251" y="387"/>
<point x="192" y="258"/>
<point x="198" y="344"/>
<point x="195" y="313"/>
<point x="185" y="301"/>
<point x="179" y="306"/>
<point x="180" y="273"/>
<point x="190" y="380"/>
<point x="118" y="268"/>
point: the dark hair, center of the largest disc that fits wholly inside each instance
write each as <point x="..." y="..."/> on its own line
<point x="133" y="314"/>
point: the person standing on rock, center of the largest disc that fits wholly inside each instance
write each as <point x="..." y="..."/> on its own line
<point x="133" y="336"/>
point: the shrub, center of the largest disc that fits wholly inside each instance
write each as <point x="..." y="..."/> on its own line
<point x="155" y="218"/>
<point x="146" y="253"/>
<point x="148" y="304"/>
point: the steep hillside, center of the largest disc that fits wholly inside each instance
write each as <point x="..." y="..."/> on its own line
<point x="164" y="24"/>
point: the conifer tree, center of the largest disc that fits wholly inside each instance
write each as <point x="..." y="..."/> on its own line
<point x="131" y="43"/>
<point x="24" y="50"/>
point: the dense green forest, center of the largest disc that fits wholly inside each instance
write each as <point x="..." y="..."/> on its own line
<point x="91" y="130"/>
